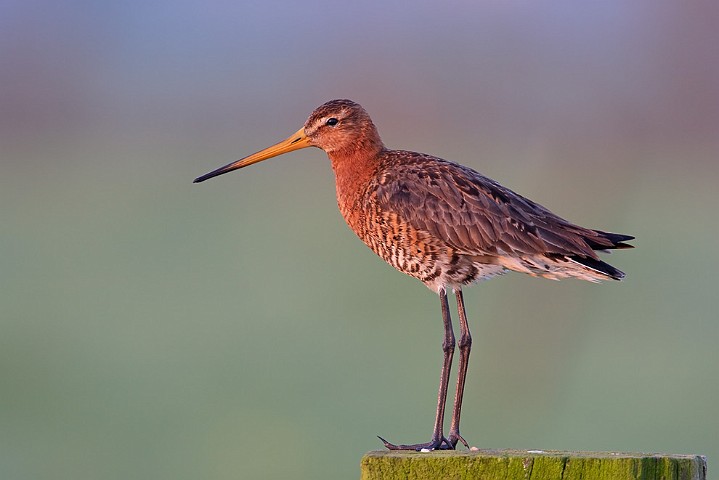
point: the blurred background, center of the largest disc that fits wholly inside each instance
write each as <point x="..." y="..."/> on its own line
<point x="152" y="328"/>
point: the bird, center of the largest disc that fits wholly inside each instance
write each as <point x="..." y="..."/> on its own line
<point x="442" y="223"/>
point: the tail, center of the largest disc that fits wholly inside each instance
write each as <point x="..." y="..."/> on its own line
<point x="603" y="242"/>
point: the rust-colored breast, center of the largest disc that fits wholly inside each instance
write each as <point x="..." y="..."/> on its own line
<point x="391" y="229"/>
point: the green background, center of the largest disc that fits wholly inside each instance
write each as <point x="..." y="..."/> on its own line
<point x="152" y="328"/>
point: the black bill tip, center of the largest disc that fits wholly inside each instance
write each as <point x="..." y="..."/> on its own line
<point x="212" y="174"/>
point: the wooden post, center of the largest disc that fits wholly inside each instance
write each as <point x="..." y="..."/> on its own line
<point x="531" y="465"/>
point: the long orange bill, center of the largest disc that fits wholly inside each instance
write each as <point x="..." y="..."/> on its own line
<point x="294" y="142"/>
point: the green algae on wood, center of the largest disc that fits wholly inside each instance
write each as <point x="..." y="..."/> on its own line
<point x="530" y="465"/>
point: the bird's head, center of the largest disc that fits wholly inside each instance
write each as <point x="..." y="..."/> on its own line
<point x="341" y="128"/>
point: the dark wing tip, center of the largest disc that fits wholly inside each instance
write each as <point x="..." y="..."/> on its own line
<point x="618" y="239"/>
<point x="615" y="240"/>
<point x="599" y="266"/>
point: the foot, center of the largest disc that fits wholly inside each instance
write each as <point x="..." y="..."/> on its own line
<point x="434" y="444"/>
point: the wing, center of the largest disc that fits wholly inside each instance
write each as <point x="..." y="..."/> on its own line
<point x="476" y="215"/>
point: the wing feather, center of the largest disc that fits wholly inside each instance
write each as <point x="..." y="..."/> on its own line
<point x="475" y="215"/>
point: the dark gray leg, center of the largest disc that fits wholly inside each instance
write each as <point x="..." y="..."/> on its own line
<point x="438" y="440"/>
<point x="465" y="345"/>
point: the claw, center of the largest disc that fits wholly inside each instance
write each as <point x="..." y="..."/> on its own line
<point x="456" y="437"/>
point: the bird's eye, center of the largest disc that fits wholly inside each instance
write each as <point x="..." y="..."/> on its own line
<point x="332" y="121"/>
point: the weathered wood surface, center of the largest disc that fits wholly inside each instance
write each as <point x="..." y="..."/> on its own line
<point x="531" y="465"/>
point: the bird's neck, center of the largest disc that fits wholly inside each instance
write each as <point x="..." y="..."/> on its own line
<point x="353" y="172"/>
<point x="355" y="167"/>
